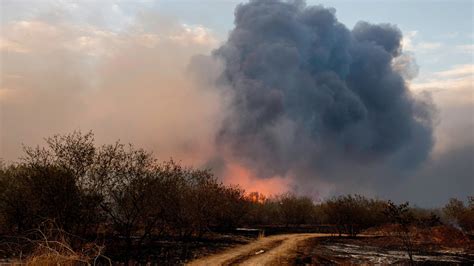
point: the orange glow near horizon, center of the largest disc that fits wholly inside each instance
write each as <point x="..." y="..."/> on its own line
<point x="246" y="179"/>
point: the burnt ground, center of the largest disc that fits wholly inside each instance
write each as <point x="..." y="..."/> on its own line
<point x="271" y="250"/>
<point x="160" y="251"/>
<point x="375" y="250"/>
<point x="176" y="252"/>
<point x="437" y="246"/>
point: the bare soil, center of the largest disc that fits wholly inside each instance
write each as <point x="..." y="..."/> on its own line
<point x="272" y="250"/>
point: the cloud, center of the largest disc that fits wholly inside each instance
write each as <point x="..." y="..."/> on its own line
<point x="411" y="42"/>
<point x="195" y="34"/>
<point x="427" y="46"/>
<point x="466" y="48"/>
<point x="12" y="46"/>
<point x="406" y="65"/>
<point x="407" y="40"/>
<point x="455" y="85"/>
<point x="452" y="91"/>
<point x="107" y="14"/>
<point x="460" y="71"/>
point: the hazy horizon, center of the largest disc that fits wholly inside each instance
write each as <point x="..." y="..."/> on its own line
<point x="281" y="100"/>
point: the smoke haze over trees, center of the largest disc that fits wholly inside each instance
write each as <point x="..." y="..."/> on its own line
<point x="291" y="100"/>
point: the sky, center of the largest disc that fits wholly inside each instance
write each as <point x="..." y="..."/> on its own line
<point x="124" y="69"/>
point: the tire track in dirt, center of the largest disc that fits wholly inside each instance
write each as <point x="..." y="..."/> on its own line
<point x="275" y="248"/>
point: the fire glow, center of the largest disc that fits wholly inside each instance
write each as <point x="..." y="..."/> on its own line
<point x="237" y="174"/>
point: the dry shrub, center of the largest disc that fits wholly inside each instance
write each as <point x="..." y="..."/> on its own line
<point x="54" y="248"/>
<point x="442" y="235"/>
<point x="58" y="253"/>
<point x="382" y="230"/>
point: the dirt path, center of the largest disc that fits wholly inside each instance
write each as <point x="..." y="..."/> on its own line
<point x="265" y="251"/>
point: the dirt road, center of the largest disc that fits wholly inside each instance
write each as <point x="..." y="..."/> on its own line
<point x="265" y="251"/>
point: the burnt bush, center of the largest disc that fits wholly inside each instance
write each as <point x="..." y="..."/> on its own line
<point x="30" y="195"/>
<point x="114" y="192"/>
<point x="351" y="214"/>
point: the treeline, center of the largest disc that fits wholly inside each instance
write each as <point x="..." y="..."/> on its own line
<point x="122" y="196"/>
<point x="351" y="214"/>
<point x="111" y="191"/>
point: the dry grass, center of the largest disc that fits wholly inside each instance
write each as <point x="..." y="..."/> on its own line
<point x="53" y="247"/>
<point x="49" y="252"/>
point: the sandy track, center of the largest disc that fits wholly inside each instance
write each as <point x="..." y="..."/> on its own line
<point x="275" y="249"/>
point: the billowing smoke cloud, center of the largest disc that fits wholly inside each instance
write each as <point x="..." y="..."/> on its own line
<point x="301" y="101"/>
<point x="311" y="96"/>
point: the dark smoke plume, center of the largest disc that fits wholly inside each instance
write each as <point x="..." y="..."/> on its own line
<point x="310" y="94"/>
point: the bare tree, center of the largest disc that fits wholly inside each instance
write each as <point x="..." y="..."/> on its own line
<point x="401" y="215"/>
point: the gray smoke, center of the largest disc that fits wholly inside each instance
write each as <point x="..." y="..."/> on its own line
<point x="310" y="95"/>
